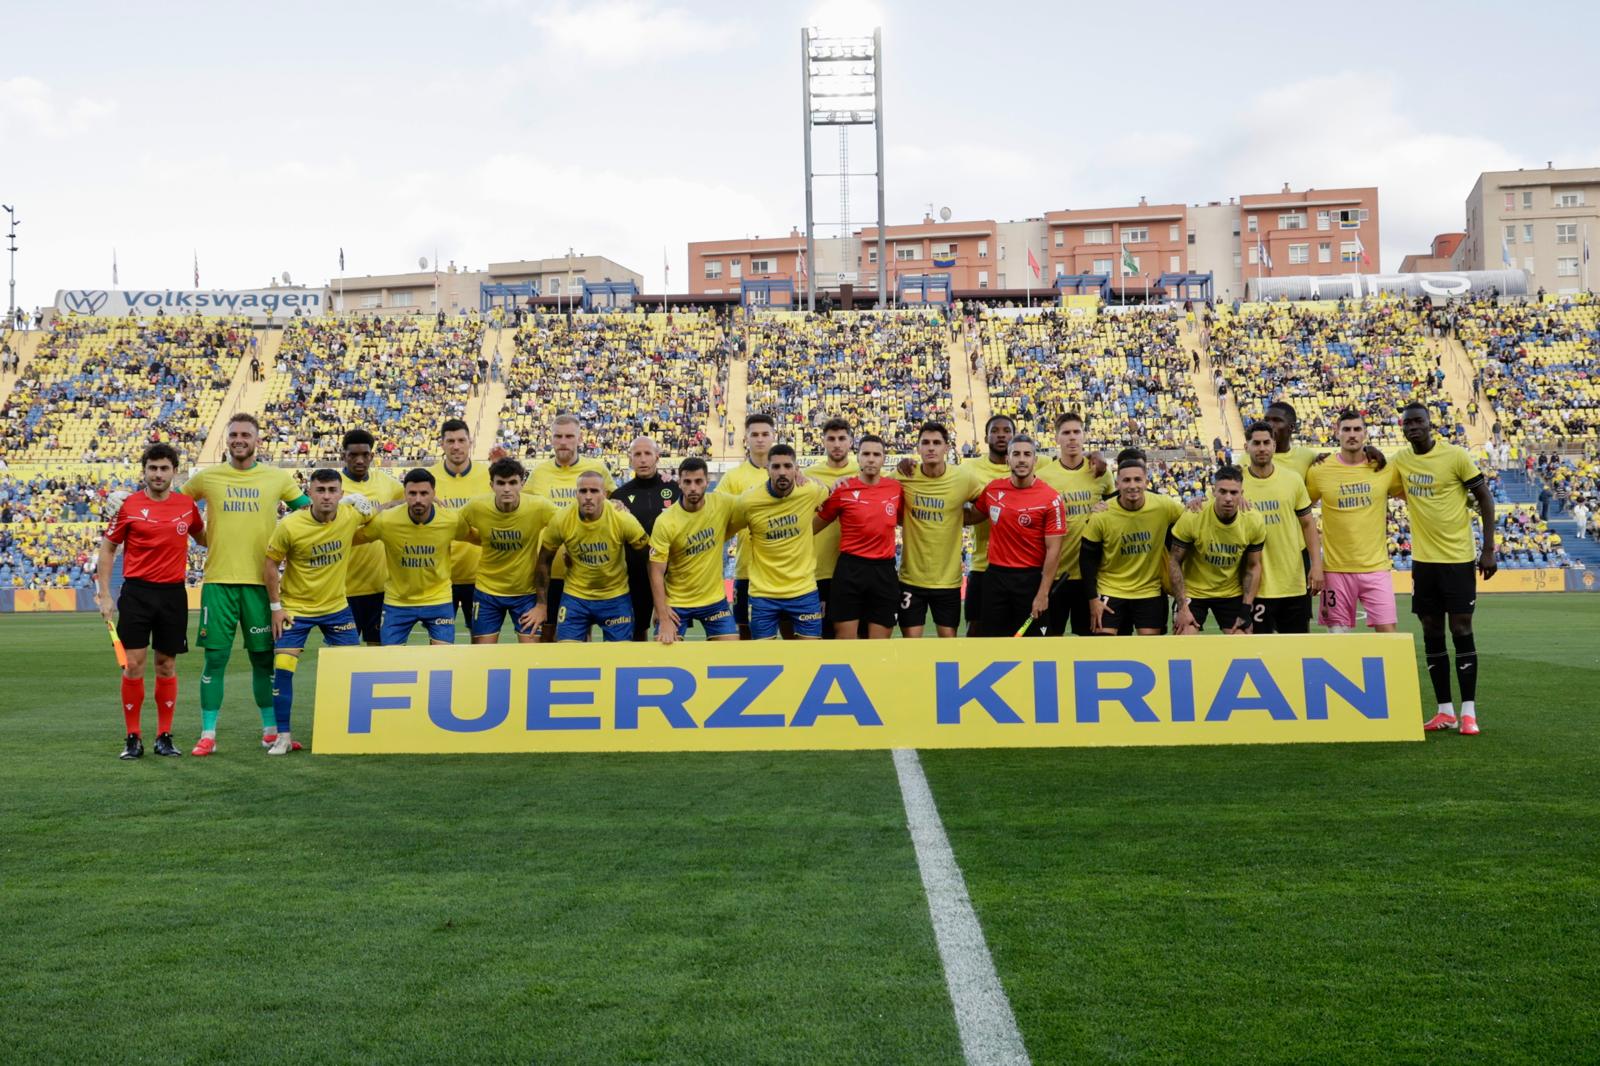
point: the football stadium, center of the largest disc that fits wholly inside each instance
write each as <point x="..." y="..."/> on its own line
<point x="453" y="664"/>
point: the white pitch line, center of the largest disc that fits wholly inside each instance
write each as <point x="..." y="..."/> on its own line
<point x="983" y="1013"/>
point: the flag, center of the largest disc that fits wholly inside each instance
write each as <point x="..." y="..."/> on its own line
<point x="1361" y="252"/>
<point x="944" y="261"/>
<point x="1033" y="265"/>
<point x="1586" y="249"/>
<point x="1505" y="253"/>
<point x="114" y="268"/>
<point x="1264" y="256"/>
<point x="1130" y="265"/>
<point x="197" y="270"/>
<point x="800" y="264"/>
<point x="341" y="260"/>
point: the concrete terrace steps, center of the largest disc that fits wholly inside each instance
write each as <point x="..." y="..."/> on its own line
<point x="243" y="394"/>
<point x="483" y="410"/>
<point x="973" y="389"/>
<point x="1216" y="419"/>
<point x="1458" y="385"/>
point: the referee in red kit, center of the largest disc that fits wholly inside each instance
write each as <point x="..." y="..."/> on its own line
<point x="1026" y="524"/>
<point x="154" y="527"/>
<point x="866" y="587"/>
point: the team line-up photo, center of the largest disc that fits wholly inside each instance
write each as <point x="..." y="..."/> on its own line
<point x="854" y="547"/>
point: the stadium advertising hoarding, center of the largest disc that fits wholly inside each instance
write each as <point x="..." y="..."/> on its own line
<point x="219" y="303"/>
<point x="1355" y="286"/>
<point x="867" y="694"/>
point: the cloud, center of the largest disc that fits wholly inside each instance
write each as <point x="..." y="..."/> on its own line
<point x="1354" y="128"/>
<point x="620" y="32"/>
<point x="28" y="105"/>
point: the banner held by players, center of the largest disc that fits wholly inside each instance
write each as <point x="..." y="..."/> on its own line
<point x="873" y="694"/>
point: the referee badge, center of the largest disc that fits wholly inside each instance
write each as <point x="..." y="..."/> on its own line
<point x="994" y="514"/>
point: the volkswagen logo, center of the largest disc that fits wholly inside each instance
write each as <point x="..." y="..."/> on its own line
<point x="84" y="301"/>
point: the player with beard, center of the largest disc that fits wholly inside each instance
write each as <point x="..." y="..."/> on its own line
<point x="838" y="462"/>
<point x="556" y="479"/>
<point x="364" y="578"/>
<point x="1084" y="483"/>
<point x="760" y="434"/>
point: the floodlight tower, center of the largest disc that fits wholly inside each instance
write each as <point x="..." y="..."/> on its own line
<point x="841" y="84"/>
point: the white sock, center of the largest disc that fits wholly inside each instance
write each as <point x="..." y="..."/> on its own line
<point x="1341" y="629"/>
<point x="1448" y="710"/>
<point x="208" y="734"/>
<point x="1469" y="708"/>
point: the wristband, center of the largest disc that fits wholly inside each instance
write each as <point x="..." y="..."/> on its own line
<point x="275" y="606"/>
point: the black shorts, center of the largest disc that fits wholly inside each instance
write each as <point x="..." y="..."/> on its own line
<point x="741" y="602"/>
<point x="975" y="598"/>
<point x="864" y="590"/>
<point x="1129" y="616"/>
<point x="825" y="597"/>
<point x="367" y="610"/>
<point x="1443" y="588"/>
<point x="1008" y="594"/>
<point x="462" y="599"/>
<point x="1069" y="608"/>
<point x="1283" y="614"/>
<point x="916" y="602"/>
<point x="153" y="614"/>
<point x="644" y="603"/>
<point x="1228" y="609"/>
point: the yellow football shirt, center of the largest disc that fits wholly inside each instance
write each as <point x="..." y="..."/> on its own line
<point x="826" y="544"/>
<point x="690" y="543"/>
<point x="1355" y="510"/>
<point x="736" y="482"/>
<point x="1298" y="459"/>
<point x="508" y="542"/>
<point x="1280" y="500"/>
<point x="1134" y="545"/>
<point x="453" y="492"/>
<point x="559" y="485"/>
<point x="932" y="519"/>
<point x="1435" y="486"/>
<point x="365" y="574"/>
<point x="241" y="513"/>
<point x="1212" y="566"/>
<point x="596" y="551"/>
<point x="1080" y="490"/>
<point x="316" y="557"/>
<point x="416" y="555"/>
<point x="986" y="472"/>
<point x="782" y="563"/>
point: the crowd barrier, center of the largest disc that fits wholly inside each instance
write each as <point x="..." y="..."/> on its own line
<point x="989" y="693"/>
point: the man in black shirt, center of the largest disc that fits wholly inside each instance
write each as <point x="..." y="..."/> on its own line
<point x="645" y="497"/>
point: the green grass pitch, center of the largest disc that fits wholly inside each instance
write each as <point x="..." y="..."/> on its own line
<point x="1418" y="902"/>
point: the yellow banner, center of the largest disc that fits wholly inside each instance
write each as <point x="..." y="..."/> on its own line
<point x="1081" y="305"/>
<point x="991" y="693"/>
<point x="1545" y="579"/>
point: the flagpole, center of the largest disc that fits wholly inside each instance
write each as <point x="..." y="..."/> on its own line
<point x="1586" y="257"/>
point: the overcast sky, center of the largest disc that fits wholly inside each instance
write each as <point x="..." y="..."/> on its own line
<point x="266" y="136"/>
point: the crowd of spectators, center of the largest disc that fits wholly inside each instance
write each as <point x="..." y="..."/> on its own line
<point x="886" y="374"/>
<point x="1537" y="366"/>
<point x="1127" y="373"/>
<point x="624" y="374"/>
<point x="1371" y="355"/>
<point x="101" y="389"/>
<point x="398" y="377"/>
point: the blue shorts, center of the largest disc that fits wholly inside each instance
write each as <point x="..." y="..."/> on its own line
<point x="805" y="612"/>
<point x="491" y="611"/>
<point x="613" y="616"/>
<point x="440" y="620"/>
<point x="338" y="630"/>
<point x="715" y="618"/>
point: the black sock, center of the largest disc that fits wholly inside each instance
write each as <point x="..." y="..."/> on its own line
<point x="1438" y="658"/>
<point x="1467" y="666"/>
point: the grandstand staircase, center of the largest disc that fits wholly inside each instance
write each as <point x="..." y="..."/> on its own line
<point x="24" y="343"/>
<point x="738" y="405"/>
<point x="1522" y="491"/>
<point x="971" y="389"/>
<point x="1458" y="384"/>
<point x="243" y="395"/>
<point x="1215" y="421"/>
<point x="483" y="410"/>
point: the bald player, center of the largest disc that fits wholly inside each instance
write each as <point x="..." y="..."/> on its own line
<point x="645" y="496"/>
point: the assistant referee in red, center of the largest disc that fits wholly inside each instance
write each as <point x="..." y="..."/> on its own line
<point x="1027" y="522"/>
<point x="153" y="527"/>
<point x="866" y="587"/>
